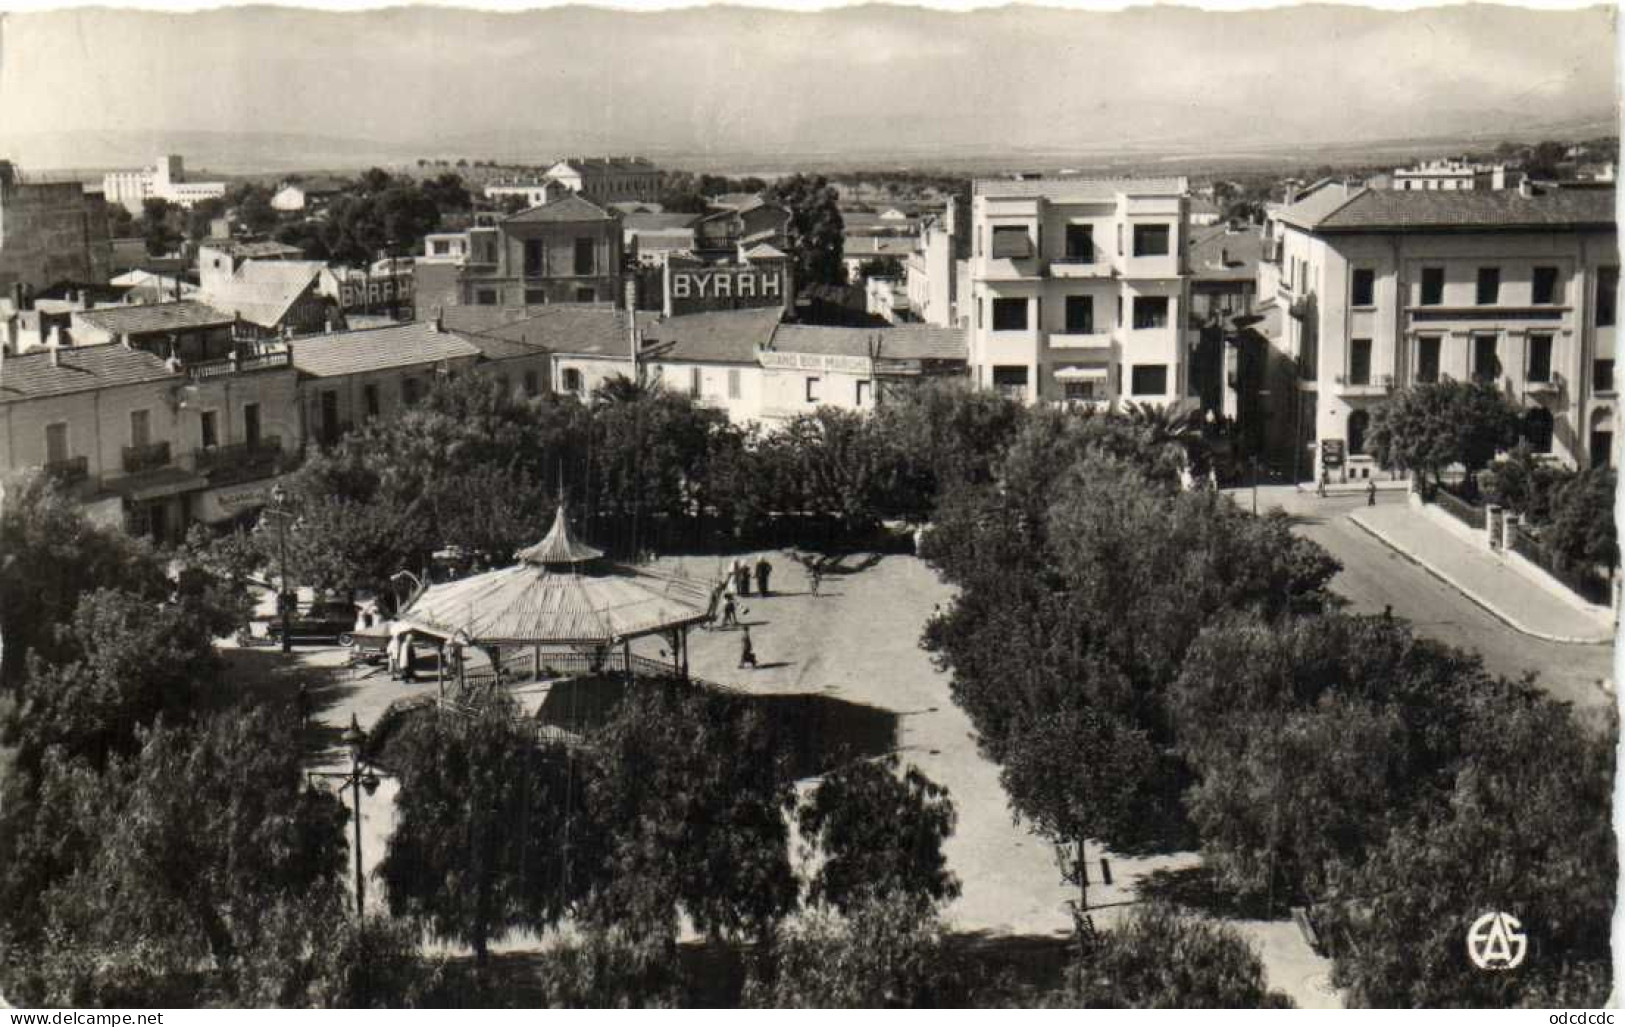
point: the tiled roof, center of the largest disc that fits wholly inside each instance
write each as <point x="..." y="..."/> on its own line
<point x="263" y="290"/>
<point x="1079" y="188"/>
<point x="501" y="333"/>
<point x="262" y="249"/>
<point x="572" y="207"/>
<point x="156" y="317"/>
<point x="605" y="165"/>
<point x="600" y="602"/>
<point x="718" y="336"/>
<point x="79" y="369"/>
<point x="581" y="329"/>
<point x="897" y="342"/>
<point x="736" y="201"/>
<point x="1203" y="205"/>
<point x="377" y="349"/>
<point x="1209" y="244"/>
<point x="657" y="222"/>
<point x="1392" y="210"/>
<point x="865" y="246"/>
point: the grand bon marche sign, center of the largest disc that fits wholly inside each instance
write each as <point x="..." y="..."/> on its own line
<point x="814" y="362"/>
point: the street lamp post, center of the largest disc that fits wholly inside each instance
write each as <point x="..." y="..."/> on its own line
<point x="360" y="777"/>
<point x="284" y="606"/>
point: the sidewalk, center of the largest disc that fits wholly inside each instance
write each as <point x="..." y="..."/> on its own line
<point x="1484" y="578"/>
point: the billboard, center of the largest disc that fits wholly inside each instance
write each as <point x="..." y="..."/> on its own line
<point x="695" y="288"/>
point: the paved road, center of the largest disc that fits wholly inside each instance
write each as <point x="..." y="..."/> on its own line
<point x="1374" y="576"/>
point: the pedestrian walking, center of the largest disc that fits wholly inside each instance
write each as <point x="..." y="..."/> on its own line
<point x="409" y="659"/>
<point x="747" y="654"/>
<point x="764" y="570"/>
<point x="302" y="705"/>
<point x="1320" y="488"/>
<point x="742" y="577"/>
<point x="730" y="612"/>
<point x="1371" y="492"/>
<point x="817" y="572"/>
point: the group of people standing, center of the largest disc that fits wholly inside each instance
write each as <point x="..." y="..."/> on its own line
<point x="735" y="584"/>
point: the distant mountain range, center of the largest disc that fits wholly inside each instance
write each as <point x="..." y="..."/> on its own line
<point x="265" y="88"/>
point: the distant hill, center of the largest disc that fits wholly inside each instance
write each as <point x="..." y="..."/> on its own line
<point x="266" y="88"/>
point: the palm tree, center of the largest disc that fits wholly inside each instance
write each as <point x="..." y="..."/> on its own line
<point x="618" y="388"/>
<point x="1161" y="424"/>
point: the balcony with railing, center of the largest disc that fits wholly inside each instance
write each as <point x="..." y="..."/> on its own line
<point x="241" y="461"/>
<point x="149" y="457"/>
<point x="1071" y="340"/>
<point x="244" y="360"/>
<point x="1364" y="384"/>
<point x="68" y="470"/>
<point x="1079" y="265"/>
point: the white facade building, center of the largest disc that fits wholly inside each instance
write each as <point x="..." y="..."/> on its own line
<point x="1078" y="290"/>
<point x="166" y="180"/>
<point x="1384" y="289"/>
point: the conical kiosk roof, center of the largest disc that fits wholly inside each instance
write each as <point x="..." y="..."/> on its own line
<point x="561" y="592"/>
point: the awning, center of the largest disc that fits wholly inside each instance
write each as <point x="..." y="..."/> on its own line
<point x="1080" y="374"/>
<point x="167" y="481"/>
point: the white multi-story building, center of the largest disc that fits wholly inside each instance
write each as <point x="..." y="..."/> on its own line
<point x="1455" y="176"/>
<point x="932" y="268"/>
<point x="1077" y="289"/>
<point x="165" y="180"/>
<point x="1385" y="288"/>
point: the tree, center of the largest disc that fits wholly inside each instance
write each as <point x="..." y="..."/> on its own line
<point x="1308" y="736"/>
<point x="889" y="952"/>
<point x="1524" y="483"/>
<point x="687" y="798"/>
<point x="1582" y="528"/>
<point x="879" y="832"/>
<point x="1158" y="959"/>
<point x="1078" y="774"/>
<point x="816" y="233"/>
<point x="1430" y="426"/>
<point x="50" y="556"/>
<point x="880" y="267"/>
<point x="157" y="226"/>
<point x="1543" y="159"/>
<point x="200" y="219"/>
<point x="482" y="836"/>
<point x="157" y="879"/>
<point x="448" y="192"/>
<point x="253" y="205"/>
<point x="1524" y="829"/>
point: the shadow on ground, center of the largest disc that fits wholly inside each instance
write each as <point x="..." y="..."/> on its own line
<point x="816" y="733"/>
<point x="996" y="969"/>
<point x="1196" y="890"/>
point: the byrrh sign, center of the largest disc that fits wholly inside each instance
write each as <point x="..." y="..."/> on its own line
<point x="731" y="287"/>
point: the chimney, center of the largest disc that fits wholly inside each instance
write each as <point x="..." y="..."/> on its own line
<point x="28" y="297"/>
<point x="631" y="292"/>
<point x="1224" y="258"/>
<point x="16" y="297"/>
<point x="439" y="319"/>
<point x="124" y="340"/>
<point x="1526" y="189"/>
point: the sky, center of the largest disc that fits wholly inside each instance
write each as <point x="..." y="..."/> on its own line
<point x="84" y="86"/>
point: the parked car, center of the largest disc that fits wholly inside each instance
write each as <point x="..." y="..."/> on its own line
<point x="323" y="621"/>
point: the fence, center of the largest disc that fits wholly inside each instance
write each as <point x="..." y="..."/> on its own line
<point x="1589" y="585"/>
<point x="1475" y="517"/>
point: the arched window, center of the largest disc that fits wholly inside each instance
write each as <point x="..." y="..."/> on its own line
<point x="1537" y="429"/>
<point x="1359" y="421"/>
